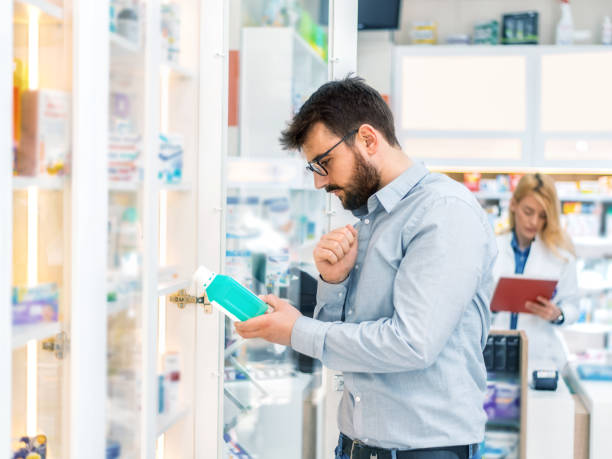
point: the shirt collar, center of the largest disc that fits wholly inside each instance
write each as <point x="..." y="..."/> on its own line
<point x="515" y="245"/>
<point x="391" y="194"/>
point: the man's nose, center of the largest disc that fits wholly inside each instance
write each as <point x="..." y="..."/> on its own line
<point x="320" y="181"/>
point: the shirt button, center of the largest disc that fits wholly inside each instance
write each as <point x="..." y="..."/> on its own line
<point x="340" y="294"/>
<point x="367" y="221"/>
<point x="350" y="311"/>
<point x="357" y="399"/>
<point x="356" y="266"/>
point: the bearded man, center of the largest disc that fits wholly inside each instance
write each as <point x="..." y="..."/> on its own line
<point x="403" y="295"/>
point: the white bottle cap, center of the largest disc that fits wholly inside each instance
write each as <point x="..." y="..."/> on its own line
<point x="200" y="280"/>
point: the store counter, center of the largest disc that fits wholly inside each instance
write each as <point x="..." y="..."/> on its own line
<point x="597" y="397"/>
<point x="550" y="423"/>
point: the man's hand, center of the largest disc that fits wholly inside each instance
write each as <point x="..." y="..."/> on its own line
<point x="544" y="308"/>
<point x="275" y="326"/>
<point x="336" y="253"/>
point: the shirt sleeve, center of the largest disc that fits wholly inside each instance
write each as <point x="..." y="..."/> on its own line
<point x="568" y="295"/>
<point x="436" y="280"/>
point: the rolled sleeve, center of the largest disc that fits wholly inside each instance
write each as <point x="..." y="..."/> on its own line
<point x="308" y="336"/>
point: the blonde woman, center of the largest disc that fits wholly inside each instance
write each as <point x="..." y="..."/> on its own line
<point x="537" y="246"/>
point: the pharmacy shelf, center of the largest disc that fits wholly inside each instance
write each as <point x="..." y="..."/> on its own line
<point x="178" y="70"/>
<point x="24" y="333"/>
<point x="166" y="421"/>
<point x="123" y="44"/>
<point x="51" y="10"/>
<point x="167" y="288"/>
<point x="116" y="185"/>
<point x="594" y="247"/>
<point x="115" y="307"/>
<point x="42" y="182"/>
<point x="502" y="196"/>
<point x="182" y="186"/>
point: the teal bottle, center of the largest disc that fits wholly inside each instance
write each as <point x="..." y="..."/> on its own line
<point x="235" y="300"/>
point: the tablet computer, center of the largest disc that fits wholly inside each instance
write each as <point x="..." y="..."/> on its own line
<point x="512" y="293"/>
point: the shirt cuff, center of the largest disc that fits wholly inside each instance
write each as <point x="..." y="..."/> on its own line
<point x="331" y="294"/>
<point x="308" y="336"/>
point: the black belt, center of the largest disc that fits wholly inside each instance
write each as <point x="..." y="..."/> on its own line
<point x="358" y="450"/>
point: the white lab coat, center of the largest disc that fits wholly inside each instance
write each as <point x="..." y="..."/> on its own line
<point x="544" y="341"/>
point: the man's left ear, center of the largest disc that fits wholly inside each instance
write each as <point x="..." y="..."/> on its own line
<point x="369" y="138"/>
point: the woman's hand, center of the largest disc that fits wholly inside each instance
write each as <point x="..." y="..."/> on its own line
<point x="543" y="308"/>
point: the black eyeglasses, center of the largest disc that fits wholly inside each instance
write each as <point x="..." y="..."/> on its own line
<point x="316" y="166"/>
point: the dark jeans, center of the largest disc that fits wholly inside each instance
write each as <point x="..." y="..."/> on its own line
<point x="417" y="455"/>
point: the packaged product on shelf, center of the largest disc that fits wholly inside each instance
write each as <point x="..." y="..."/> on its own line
<point x="31" y="448"/>
<point x="503" y="401"/>
<point x="503" y="183"/>
<point x="35" y="304"/>
<point x="424" y="33"/>
<point x="128" y="24"/>
<point x="520" y="28"/>
<point x="581" y="218"/>
<point x="172" y="381"/>
<point x="458" y="39"/>
<point x="565" y="188"/>
<point x="129" y="242"/>
<point x="44" y="142"/>
<point x="124" y="158"/>
<point x="501" y="445"/>
<point x="606" y="31"/>
<point x="277" y="212"/>
<point x="588" y="186"/>
<point x="608" y="222"/>
<point x="514" y="181"/>
<point x="171" y="158"/>
<point x="472" y="180"/>
<point x="565" y="27"/>
<point x="486" y="33"/>
<point x="605" y="185"/>
<point x="170" y="31"/>
<point x="161" y="396"/>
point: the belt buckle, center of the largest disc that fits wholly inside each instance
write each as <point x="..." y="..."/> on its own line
<point x="359" y="444"/>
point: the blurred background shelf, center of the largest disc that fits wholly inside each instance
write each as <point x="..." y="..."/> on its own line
<point x="51" y="11"/>
<point x="166" y="421"/>
<point x="24" y="333"/>
<point x="167" y="288"/>
<point x="43" y="182"/>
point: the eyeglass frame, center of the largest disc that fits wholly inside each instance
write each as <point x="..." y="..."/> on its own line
<point x="316" y="160"/>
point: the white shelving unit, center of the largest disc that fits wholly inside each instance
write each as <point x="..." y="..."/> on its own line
<point x="178" y="70"/>
<point x="44" y="182"/>
<point x="166" y="421"/>
<point x="167" y="288"/>
<point x="53" y="11"/>
<point x="123" y="44"/>
<point x="24" y="333"/>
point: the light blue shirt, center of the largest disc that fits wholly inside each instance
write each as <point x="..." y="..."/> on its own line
<point x="416" y="317"/>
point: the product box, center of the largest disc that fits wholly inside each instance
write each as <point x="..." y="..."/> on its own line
<point x="170" y="31"/>
<point x="44" y="143"/>
<point x="32" y="305"/>
<point x="472" y="180"/>
<point x="124" y="157"/>
<point x="170" y="158"/>
<point x="486" y="33"/>
<point x="520" y="28"/>
<point x="424" y="33"/>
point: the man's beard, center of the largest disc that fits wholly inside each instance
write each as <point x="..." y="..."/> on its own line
<point x="364" y="182"/>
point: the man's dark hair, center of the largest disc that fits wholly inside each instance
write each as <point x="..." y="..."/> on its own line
<point x="342" y="106"/>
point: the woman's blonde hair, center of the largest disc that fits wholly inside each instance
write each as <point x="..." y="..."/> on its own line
<point x="542" y="187"/>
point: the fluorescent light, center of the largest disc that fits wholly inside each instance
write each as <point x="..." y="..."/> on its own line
<point x="33" y="16"/>
<point x="32" y="389"/>
<point x="165" y="98"/>
<point x="32" y="236"/>
<point x="161" y="444"/>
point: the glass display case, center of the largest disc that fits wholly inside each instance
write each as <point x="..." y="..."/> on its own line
<point x="274" y="216"/>
<point x="40" y="300"/>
